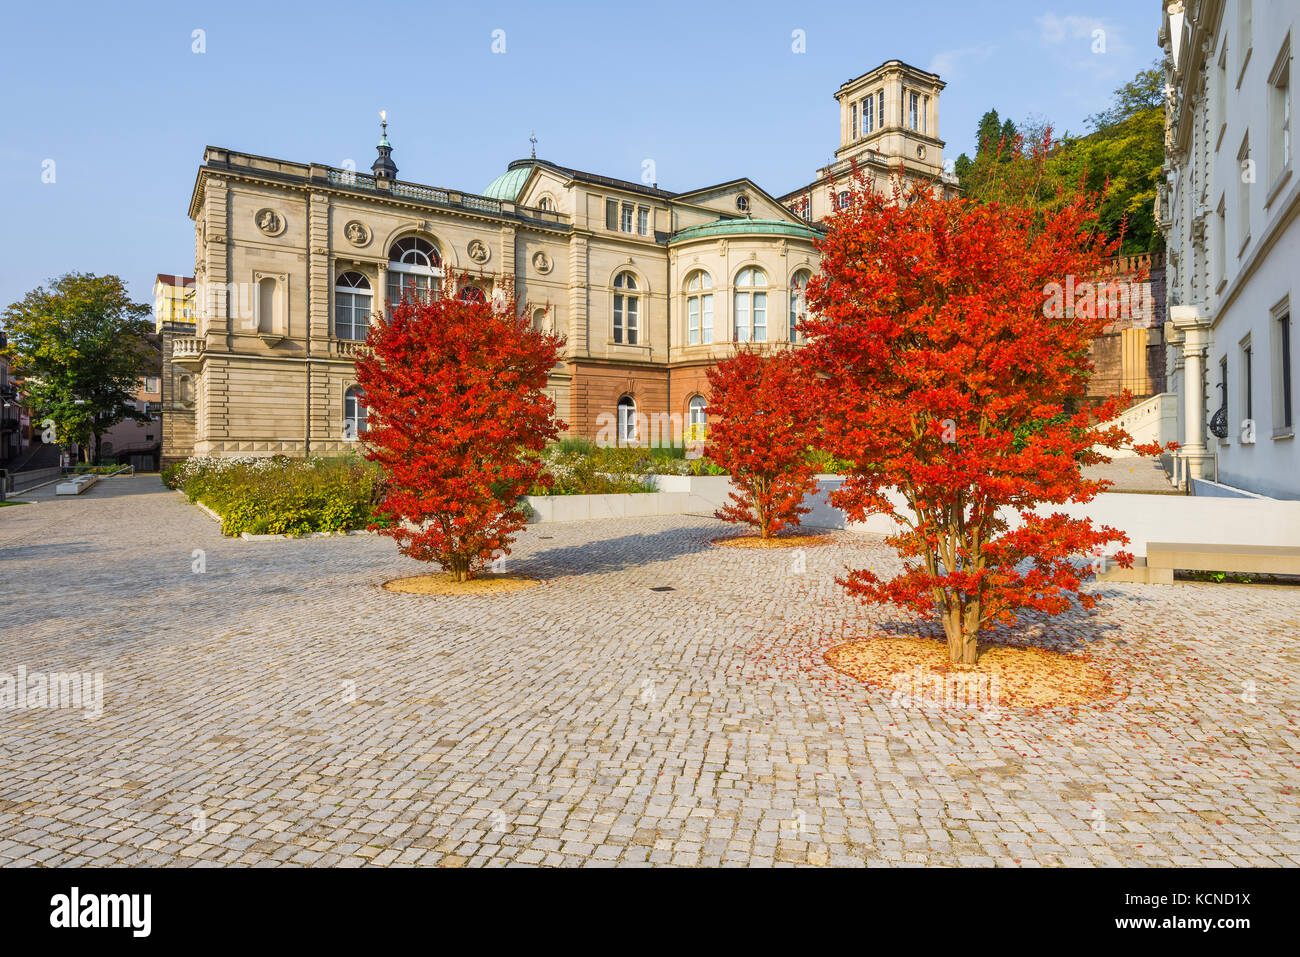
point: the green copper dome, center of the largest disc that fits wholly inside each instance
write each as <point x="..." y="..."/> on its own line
<point x="734" y="227"/>
<point x="508" y="184"/>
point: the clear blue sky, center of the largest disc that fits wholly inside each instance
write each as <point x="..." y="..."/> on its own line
<point x="114" y="94"/>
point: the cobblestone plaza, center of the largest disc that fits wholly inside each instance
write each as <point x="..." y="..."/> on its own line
<point x="267" y="703"/>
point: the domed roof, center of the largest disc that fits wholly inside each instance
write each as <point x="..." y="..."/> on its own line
<point x="508" y="184"/>
<point x="732" y="227"/>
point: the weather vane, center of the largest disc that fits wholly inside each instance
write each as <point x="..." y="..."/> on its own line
<point x="532" y="138"/>
<point x="383" y="121"/>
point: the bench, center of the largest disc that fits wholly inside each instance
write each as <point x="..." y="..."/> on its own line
<point x="1163" y="558"/>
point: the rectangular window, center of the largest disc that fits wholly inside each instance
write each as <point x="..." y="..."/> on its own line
<point x="868" y="115"/>
<point x="627" y="217"/>
<point x="706" y="320"/>
<point x="611" y="214"/>
<point x="643" y="220"/>
<point x="1221" y="94"/>
<point x="1221" y="242"/>
<point x="742" y="317"/>
<point x="1283" y="420"/>
<point x="693" y="321"/>
<point x="1279" y="110"/>
<point x="152" y="384"/>
<point x="1247" y="381"/>
<point x="618" y="318"/>
<point x="853" y="121"/>
<point x="760" y="317"/>
<point x="632" y="302"/>
<point x="1243" y="35"/>
<point x="1243" y="194"/>
<point x="880" y="101"/>
<point x="912" y="101"/>
<point x="1223" y="389"/>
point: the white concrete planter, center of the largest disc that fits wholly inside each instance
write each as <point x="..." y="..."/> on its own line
<point x="677" y="495"/>
<point x="77" y="485"/>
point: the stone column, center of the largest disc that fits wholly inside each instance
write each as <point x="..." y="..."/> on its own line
<point x="1194" y="324"/>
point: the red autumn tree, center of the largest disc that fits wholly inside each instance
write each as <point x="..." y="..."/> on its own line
<point x="761" y="437"/>
<point x="955" y="387"/>
<point x="454" y="391"/>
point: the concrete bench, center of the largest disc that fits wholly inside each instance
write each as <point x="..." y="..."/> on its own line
<point x="1163" y="558"/>
<point x="76" y="485"/>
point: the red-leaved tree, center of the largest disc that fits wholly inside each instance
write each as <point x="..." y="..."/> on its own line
<point x="761" y="435"/>
<point x="454" y="392"/>
<point x="955" y="386"/>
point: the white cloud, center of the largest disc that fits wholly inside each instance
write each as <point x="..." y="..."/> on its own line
<point x="947" y="63"/>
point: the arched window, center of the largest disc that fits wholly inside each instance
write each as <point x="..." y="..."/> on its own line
<point x="627" y="309"/>
<point x="413" y="265"/>
<point x="545" y="203"/>
<point x="750" y="312"/>
<point x="699" y="308"/>
<point x="354" y="413"/>
<point x="698" y="419"/>
<point x="627" y="434"/>
<point x="472" y="294"/>
<point x="352" y="305"/>
<point x="798" y="302"/>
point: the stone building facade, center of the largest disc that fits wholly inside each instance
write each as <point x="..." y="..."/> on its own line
<point x="1230" y="210"/>
<point x="649" y="287"/>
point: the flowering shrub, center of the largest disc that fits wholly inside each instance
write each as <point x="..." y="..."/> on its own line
<point x="280" y="495"/>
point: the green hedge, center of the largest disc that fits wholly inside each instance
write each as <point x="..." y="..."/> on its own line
<point x="280" y="495"/>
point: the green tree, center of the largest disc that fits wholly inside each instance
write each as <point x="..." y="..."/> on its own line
<point x="1120" y="159"/>
<point x="1123" y="157"/>
<point x="81" y="347"/>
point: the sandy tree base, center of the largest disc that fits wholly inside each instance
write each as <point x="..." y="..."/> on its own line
<point x="796" y="540"/>
<point x="916" y="672"/>
<point x="442" y="583"/>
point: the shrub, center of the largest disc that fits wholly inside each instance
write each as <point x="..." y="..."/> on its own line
<point x="280" y="495"/>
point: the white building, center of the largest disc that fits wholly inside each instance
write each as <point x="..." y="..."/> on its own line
<point x="1229" y="212"/>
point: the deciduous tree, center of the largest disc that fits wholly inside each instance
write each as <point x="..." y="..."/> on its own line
<point x="953" y="390"/>
<point x="81" y="347"/>
<point x="763" y="425"/>
<point x="457" y="412"/>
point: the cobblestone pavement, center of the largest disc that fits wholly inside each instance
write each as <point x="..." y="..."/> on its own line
<point x="280" y="708"/>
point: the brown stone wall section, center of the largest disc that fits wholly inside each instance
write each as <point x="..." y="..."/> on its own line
<point x="597" y="387"/>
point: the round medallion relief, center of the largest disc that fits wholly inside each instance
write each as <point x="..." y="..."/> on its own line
<point x="542" y="262"/>
<point x="478" y="251"/>
<point x="357" y="233"/>
<point x="269" y="221"/>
